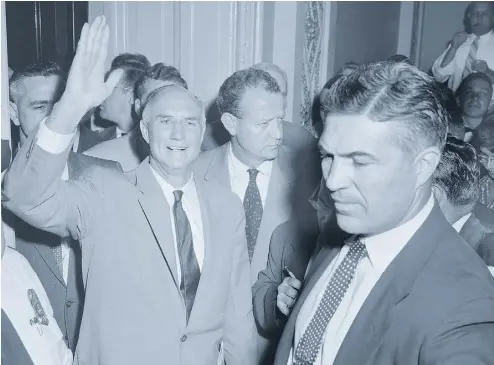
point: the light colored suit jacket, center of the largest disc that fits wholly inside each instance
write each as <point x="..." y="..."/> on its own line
<point x="294" y="177"/>
<point x="433" y="305"/>
<point x="134" y="312"/>
<point x="129" y="150"/>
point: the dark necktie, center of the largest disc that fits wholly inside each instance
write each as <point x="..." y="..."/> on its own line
<point x="308" y="346"/>
<point x="253" y="212"/>
<point x="190" y="273"/>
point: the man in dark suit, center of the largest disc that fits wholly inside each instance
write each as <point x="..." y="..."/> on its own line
<point x="274" y="181"/>
<point x="457" y="189"/>
<point x="56" y="260"/>
<point x="405" y="288"/>
<point x="165" y="263"/>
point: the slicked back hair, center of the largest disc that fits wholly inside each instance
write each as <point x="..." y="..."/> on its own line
<point x="394" y="92"/>
<point x="134" y="66"/>
<point x="234" y="87"/>
<point x="42" y="68"/>
<point x="458" y="173"/>
<point x="159" y="71"/>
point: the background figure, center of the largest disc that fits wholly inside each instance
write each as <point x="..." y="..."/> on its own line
<point x="399" y="276"/>
<point x="118" y="108"/>
<point x="130" y="150"/>
<point x="399" y="58"/>
<point x="483" y="141"/>
<point x="474" y="96"/>
<point x="457" y="189"/>
<point x="469" y="52"/>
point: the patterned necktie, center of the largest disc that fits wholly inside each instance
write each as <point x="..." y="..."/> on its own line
<point x="253" y="211"/>
<point x="190" y="273"/>
<point x="472" y="56"/>
<point x="57" y="253"/>
<point x="308" y="346"/>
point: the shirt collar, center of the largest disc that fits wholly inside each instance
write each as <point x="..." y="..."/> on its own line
<point x="458" y="225"/>
<point x="384" y="247"/>
<point x="238" y="167"/>
<point x="168" y="189"/>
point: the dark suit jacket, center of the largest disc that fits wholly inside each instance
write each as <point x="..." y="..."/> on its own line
<point x="67" y="299"/>
<point x="434" y="304"/>
<point x="478" y="231"/>
<point x="89" y="138"/>
<point x="13" y="350"/>
<point x="134" y="311"/>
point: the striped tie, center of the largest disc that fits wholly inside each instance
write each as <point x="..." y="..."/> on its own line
<point x="472" y="56"/>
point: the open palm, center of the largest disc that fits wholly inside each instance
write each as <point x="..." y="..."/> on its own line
<point x="86" y="80"/>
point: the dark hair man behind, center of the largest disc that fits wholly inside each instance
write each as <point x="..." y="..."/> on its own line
<point x="400" y="275"/>
<point x="457" y="189"/>
<point x="483" y="141"/>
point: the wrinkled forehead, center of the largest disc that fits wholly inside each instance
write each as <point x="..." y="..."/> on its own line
<point x="174" y="101"/>
<point x="479" y="84"/>
<point x="39" y="88"/>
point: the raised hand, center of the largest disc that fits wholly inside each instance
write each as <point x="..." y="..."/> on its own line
<point x="86" y="81"/>
<point x="458" y="39"/>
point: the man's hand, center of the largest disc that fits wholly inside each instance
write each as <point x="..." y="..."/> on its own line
<point x="458" y="39"/>
<point x="480" y="66"/>
<point x="86" y="81"/>
<point x="288" y="292"/>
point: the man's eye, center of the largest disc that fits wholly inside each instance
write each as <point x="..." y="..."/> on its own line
<point x="40" y="107"/>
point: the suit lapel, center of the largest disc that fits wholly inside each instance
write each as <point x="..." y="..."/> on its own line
<point x="217" y="169"/>
<point x="157" y="212"/>
<point x="46" y="254"/>
<point x="376" y="314"/>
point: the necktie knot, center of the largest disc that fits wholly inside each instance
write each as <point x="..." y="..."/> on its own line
<point x="358" y="250"/>
<point x="178" y="195"/>
<point x="252" y="174"/>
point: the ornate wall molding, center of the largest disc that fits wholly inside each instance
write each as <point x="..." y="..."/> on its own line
<point x="248" y="33"/>
<point x="312" y="56"/>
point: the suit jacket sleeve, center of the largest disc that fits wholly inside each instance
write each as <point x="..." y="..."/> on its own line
<point x="465" y="337"/>
<point x="37" y="194"/>
<point x="239" y="333"/>
<point x="265" y="289"/>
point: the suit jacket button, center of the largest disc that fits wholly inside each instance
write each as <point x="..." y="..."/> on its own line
<point x="183" y="338"/>
<point x="68" y="303"/>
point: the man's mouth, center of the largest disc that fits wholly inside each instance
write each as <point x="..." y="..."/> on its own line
<point x="177" y="149"/>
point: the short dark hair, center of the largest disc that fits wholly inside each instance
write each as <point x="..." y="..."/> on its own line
<point x="456" y="126"/>
<point x="483" y="136"/>
<point x="233" y="88"/>
<point x="458" y="173"/>
<point x="40" y="68"/>
<point x="388" y="91"/>
<point x="473" y="76"/>
<point x="134" y="66"/>
<point x="159" y="71"/>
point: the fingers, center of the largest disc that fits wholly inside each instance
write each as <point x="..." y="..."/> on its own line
<point x="284" y="303"/>
<point x="294" y="283"/>
<point x="102" y="50"/>
<point x="98" y="41"/>
<point x="113" y="80"/>
<point x="287" y="289"/>
<point x="283" y="308"/>
<point x="93" y="31"/>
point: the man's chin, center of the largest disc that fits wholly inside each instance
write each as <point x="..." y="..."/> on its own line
<point x="349" y="223"/>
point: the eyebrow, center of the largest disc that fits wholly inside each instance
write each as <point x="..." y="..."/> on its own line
<point x="40" y="102"/>
<point x="350" y="154"/>
<point x="171" y="116"/>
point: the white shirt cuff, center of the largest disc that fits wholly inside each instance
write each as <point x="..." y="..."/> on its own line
<point x="53" y="142"/>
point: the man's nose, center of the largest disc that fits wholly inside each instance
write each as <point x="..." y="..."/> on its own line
<point x="338" y="176"/>
<point x="178" y="131"/>
<point x="276" y="129"/>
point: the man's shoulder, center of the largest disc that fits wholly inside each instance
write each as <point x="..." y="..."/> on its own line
<point x="297" y="137"/>
<point x="220" y="199"/>
<point x="110" y="148"/>
<point x="82" y="163"/>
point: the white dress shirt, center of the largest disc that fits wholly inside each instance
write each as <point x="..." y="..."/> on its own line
<point x="192" y="208"/>
<point x="454" y="70"/>
<point x="55" y="143"/>
<point x="458" y="225"/>
<point x="43" y="343"/>
<point x="382" y="249"/>
<point x="239" y="177"/>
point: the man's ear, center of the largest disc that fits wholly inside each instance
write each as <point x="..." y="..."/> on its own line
<point x="230" y="123"/>
<point x="437" y="191"/>
<point x="13" y="113"/>
<point x="426" y="163"/>
<point x="144" y="130"/>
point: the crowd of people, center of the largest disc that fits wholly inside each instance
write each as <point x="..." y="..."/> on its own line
<point x="143" y="234"/>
